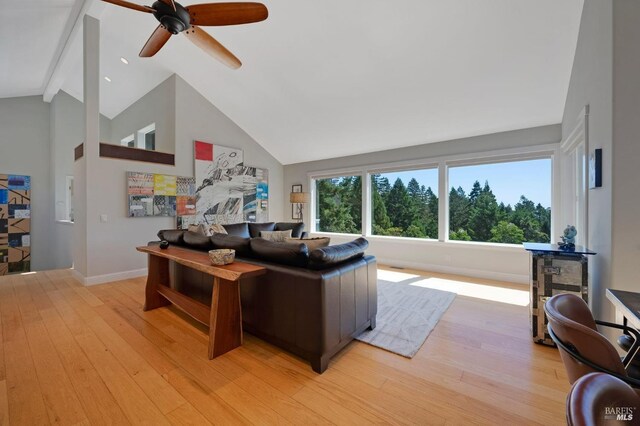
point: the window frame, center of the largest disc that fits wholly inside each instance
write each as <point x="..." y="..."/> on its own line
<point x="544" y="155"/>
<point x="443" y="164"/>
<point x="391" y="169"/>
<point x="313" y="195"/>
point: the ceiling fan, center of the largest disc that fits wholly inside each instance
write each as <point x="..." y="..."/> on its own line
<point x="175" y="18"/>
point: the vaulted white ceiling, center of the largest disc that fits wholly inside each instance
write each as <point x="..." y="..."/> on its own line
<point x="31" y="36"/>
<point x="333" y="78"/>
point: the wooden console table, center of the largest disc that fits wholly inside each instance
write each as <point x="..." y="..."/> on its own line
<point x="224" y="316"/>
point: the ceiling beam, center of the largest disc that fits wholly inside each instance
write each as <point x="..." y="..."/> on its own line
<point x="65" y="56"/>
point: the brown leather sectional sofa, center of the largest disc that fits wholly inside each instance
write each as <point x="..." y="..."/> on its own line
<point x="311" y="304"/>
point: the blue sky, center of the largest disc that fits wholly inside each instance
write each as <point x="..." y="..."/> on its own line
<point x="508" y="181"/>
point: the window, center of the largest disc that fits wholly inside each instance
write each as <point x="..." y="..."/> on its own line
<point x="338" y="204"/>
<point x="405" y="203"/>
<point x="144" y="138"/>
<point x="69" y="199"/>
<point x="506" y="202"/>
<point x="129" y="141"/>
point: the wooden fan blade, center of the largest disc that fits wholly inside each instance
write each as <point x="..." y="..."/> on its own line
<point x="129" y="5"/>
<point x="158" y="39"/>
<point x="170" y="3"/>
<point x="217" y="14"/>
<point x="204" y="41"/>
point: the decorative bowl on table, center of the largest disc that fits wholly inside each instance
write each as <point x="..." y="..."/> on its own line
<point x="222" y="256"/>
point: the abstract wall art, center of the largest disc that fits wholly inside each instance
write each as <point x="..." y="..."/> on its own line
<point x="256" y="195"/>
<point x="227" y="191"/>
<point x="15" y="224"/>
<point x="219" y="183"/>
<point x="159" y="195"/>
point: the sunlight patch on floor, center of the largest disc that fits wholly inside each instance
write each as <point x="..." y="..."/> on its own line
<point x="477" y="291"/>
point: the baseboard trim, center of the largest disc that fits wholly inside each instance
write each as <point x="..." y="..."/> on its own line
<point x="107" y="278"/>
<point x="466" y="272"/>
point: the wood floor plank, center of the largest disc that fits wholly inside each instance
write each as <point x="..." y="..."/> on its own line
<point x="119" y="365"/>
<point x="204" y="400"/>
<point x="4" y="404"/>
<point x="26" y="404"/>
<point x="60" y="397"/>
<point x="149" y="380"/>
<point x="186" y="415"/>
<point x="97" y="401"/>
<point x="131" y="399"/>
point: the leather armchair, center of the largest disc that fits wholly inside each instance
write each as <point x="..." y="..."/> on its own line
<point x="598" y="399"/>
<point x="582" y="348"/>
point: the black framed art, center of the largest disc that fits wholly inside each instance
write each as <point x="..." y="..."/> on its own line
<point x="595" y="169"/>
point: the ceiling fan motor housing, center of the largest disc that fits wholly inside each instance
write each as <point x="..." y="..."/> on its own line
<point x="175" y="21"/>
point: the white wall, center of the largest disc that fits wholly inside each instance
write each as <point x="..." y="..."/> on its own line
<point x="24" y="150"/>
<point x="157" y="106"/>
<point x="625" y="237"/>
<point x="111" y="245"/>
<point x="591" y="84"/>
<point x="197" y="118"/>
<point x="476" y="259"/>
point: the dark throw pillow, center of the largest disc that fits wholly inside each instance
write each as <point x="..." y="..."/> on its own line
<point x="239" y="244"/>
<point x="284" y="253"/>
<point x="296" y="228"/>
<point x="238" y="230"/>
<point x="256" y="228"/>
<point x="329" y="256"/>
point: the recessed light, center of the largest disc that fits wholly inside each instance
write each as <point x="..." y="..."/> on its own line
<point x="108" y="79"/>
<point x="124" y="61"/>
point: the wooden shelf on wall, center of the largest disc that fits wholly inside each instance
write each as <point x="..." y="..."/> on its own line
<point x="78" y="152"/>
<point x="126" y="153"/>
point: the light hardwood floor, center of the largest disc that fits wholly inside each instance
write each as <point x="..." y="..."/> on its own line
<point x="89" y="355"/>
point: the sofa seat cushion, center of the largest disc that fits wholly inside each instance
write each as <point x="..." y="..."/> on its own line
<point x="296" y="228"/>
<point x="283" y="253"/>
<point x="197" y="241"/>
<point x="173" y="236"/>
<point x="238" y="229"/>
<point x="329" y="256"/>
<point x="241" y="245"/>
<point x="256" y="228"/>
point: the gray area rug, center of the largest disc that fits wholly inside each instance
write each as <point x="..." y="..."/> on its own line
<point x="406" y="316"/>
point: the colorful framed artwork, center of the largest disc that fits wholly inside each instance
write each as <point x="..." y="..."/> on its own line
<point x="15" y="224"/>
<point x="152" y="194"/>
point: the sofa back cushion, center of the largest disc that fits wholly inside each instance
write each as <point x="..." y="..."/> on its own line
<point x="256" y="228"/>
<point x="296" y="228"/>
<point x="241" y="245"/>
<point x="332" y="255"/>
<point x="311" y="243"/>
<point x="277" y="236"/>
<point x="284" y="253"/>
<point x="238" y="229"/>
<point x="173" y="236"/>
<point x="197" y="241"/>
